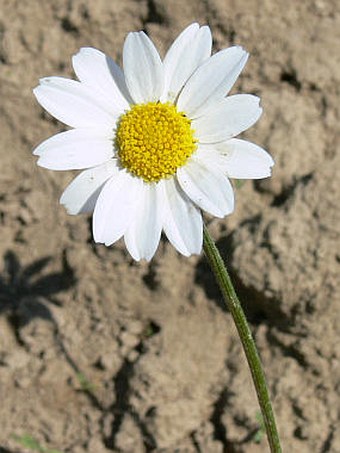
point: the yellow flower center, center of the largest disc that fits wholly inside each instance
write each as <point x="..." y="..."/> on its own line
<point x="153" y="140"/>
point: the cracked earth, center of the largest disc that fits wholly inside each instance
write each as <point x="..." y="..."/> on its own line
<point x="100" y="354"/>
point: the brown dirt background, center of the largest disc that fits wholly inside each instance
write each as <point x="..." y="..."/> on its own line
<point x="164" y="367"/>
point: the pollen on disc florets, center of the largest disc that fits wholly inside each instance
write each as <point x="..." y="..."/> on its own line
<point x="153" y="140"/>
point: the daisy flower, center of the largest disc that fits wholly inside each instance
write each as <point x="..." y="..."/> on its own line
<point x="155" y="140"/>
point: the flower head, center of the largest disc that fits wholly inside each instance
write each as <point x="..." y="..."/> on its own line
<point x="155" y="141"/>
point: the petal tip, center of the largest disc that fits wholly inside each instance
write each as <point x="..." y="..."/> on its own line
<point x="40" y="162"/>
<point x="260" y="110"/>
<point x="44" y="81"/>
<point x="96" y="236"/>
<point x="36" y="151"/>
<point x="67" y="208"/>
<point x="85" y="49"/>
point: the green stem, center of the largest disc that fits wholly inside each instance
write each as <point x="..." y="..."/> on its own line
<point x="246" y="337"/>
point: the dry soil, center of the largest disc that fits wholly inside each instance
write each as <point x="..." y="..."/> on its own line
<point x="99" y="353"/>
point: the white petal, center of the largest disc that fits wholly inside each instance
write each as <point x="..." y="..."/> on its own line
<point x="115" y="207"/>
<point x="96" y="69"/>
<point x="143" y="235"/>
<point x="75" y="104"/>
<point x="230" y="117"/>
<point x="212" y="81"/>
<point x="207" y="186"/>
<point x="81" y="195"/>
<point x="143" y="68"/>
<point x="210" y="156"/>
<point x="245" y="160"/>
<point x="75" y="149"/>
<point x="182" y="220"/>
<point x="189" y="50"/>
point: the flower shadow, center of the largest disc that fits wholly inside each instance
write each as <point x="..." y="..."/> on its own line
<point x="24" y="290"/>
<point x="258" y="307"/>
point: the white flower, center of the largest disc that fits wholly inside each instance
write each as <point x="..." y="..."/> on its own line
<point x="155" y="142"/>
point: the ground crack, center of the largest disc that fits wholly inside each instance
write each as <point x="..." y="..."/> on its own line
<point x="121" y="407"/>
<point x="220" y="432"/>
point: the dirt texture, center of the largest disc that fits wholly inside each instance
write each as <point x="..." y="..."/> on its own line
<point x="99" y="353"/>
